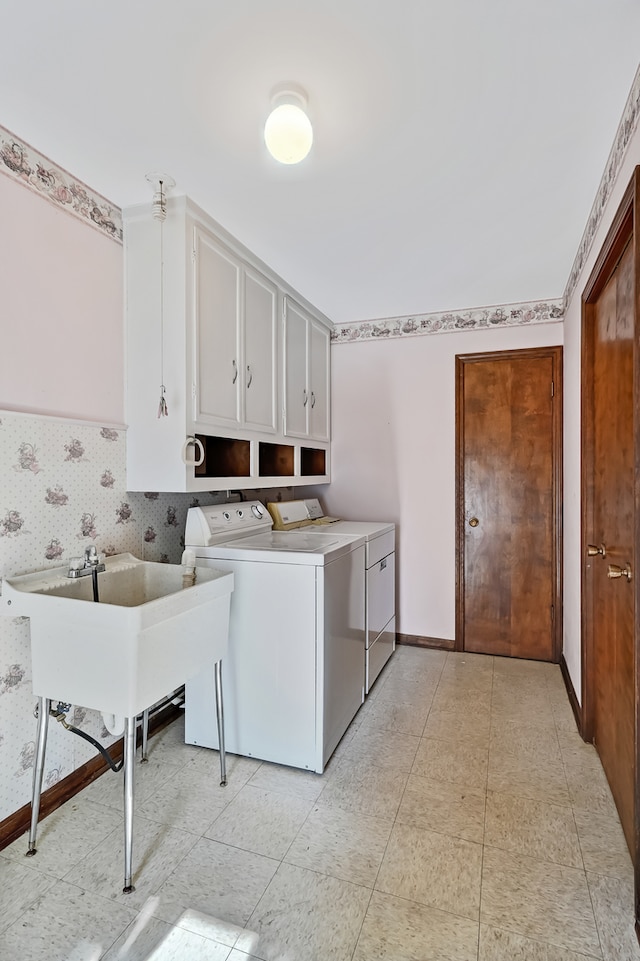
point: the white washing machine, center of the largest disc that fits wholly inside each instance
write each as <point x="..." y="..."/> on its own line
<point x="294" y="674"/>
<point x="380" y="580"/>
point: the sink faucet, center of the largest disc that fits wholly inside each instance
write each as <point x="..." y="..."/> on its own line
<point x="90" y="563"/>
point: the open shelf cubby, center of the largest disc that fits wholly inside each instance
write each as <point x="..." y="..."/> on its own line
<point x="275" y="460"/>
<point x="312" y="462"/>
<point x="224" y="457"/>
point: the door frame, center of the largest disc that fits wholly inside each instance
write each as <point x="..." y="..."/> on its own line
<point x="555" y="353"/>
<point x="625" y="227"/>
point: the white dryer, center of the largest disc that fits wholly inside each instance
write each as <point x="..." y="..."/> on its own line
<point x="294" y="674"/>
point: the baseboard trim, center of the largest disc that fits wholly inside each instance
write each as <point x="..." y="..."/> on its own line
<point x="16" y="824"/>
<point x="417" y="640"/>
<point x="573" y="700"/>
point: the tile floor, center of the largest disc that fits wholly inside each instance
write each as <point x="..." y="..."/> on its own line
<point x="462" y="818"/>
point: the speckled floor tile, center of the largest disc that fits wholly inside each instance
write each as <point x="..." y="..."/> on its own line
<point x="433" y="869"/>
<point x="360" y="787"/>
<point x="603" y="844"/>
<point x="539" y="900"/>
<point x="210" y="926"/>
<point x="524" y="741"/>
<point x="152" y="940"/>
<point x="613" y="906"/>
<point x="458" y="697"/>
<point x="307" y="916"/>
<point x="462" y="663"/>
<point x="149" y="778"/>
<point x="520" y="668"/>
<point x="288" y="780"/>
<point x="587" y="782"/>
<point x="386" y="749"/>
<point x="404" y="717"/>
<point x="563" y="715"/>
<point x="499" y="945"/>
<point x="535" y="828"/>
<point x="169" y="747"/>
<point x="67" y="835"/>
<point x="443" y="807"/>
<point x="342" y="844"/>
<point x="239" y="769"/>
<point x="463" y="761"/>
<point x="398" y="930"/>
<point x="521" y="704"/>
<point x="20" y="885"/>
<point x="454" y="724"/>
<point x="380" y="864"/>
<point x="65" y="922"/>
<point x="260" y="821"/>
<point x="538" y="778"/>
<point x="217" y="881"/>
<point x="157" y="849"/>
<point x="190" y="801"/>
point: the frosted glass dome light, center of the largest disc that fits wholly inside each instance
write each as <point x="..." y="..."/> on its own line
<point x="288" y="133"/>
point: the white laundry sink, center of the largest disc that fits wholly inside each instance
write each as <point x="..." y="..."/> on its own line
<point x="145" y="637"/>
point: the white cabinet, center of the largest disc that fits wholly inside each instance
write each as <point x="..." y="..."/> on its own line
<point x="235" y="337"/>
<point x="306" y="398"/>
<point x="202" y="318"/>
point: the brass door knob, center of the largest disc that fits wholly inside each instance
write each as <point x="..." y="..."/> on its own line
<point x="593" y="551"/>
<point x="473" y="522"/>
<point x="615" y="571"/>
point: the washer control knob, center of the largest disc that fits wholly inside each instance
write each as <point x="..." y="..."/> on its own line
<point x="240" y="512"/>
<point x="257" y="511"/>
<point x="226" y="515"/>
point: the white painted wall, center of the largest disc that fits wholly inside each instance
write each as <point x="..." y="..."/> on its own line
<point x="572" y="355"/>
<point x="393" y="454"/>
<point x="62" y="318"/>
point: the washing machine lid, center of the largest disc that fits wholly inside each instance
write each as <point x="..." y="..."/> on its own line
<point x="284" y="547"/>
<point x="311" y="543"/>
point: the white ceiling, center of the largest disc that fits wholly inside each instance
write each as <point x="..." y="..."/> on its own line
<point x="458" y="144"/>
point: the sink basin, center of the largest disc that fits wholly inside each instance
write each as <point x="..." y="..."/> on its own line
<point x="146" y="637"/>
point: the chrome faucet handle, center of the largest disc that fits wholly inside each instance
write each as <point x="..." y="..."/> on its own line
<point x="91" y="558"/>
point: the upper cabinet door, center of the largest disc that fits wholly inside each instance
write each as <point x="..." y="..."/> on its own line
<point x="296" y="379"/>
<point x="306" y="374"/>
<point x="218" y="343"/>
<point x="320" y="342"/>
<point x="260" y="355"/>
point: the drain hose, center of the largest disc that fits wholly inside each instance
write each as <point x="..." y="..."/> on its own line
<point x="114" y="765"/>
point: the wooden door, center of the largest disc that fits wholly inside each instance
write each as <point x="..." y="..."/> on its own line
<point x="610" y="455"/>
<point x="508" y="495"/>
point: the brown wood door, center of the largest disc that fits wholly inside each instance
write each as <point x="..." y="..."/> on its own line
<point x="509" y="452"/>
<point x="609" y="573"/>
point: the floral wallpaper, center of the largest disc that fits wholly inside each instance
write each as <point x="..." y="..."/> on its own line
<point x="63" y="488"/>
<point x="26" y="166"/>
<point x="625" y="132"/>
<point x="481" y="318"/>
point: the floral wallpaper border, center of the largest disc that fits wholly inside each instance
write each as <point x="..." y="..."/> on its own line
<point x="625" y="132"/>
<point x="25" y="165"/>
<point x="479" y="318"/>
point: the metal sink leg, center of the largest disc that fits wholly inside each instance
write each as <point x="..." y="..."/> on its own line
<point x="129" y="767"/>
<point x="145" y="734"/>
<point x="44" y="705"/>
<point x="220" y="720"/>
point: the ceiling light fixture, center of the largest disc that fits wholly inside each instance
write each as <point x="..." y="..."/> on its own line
<point x="288" y="133"/>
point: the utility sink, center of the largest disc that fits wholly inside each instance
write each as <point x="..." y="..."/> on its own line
<point x="147" y="635"/>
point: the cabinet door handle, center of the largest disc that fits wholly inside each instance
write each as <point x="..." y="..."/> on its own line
<point x="304" y="402"/>
<point x="250" y="373"/>
<point x="235" y="372"/>
<point x="313" y="399"/>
